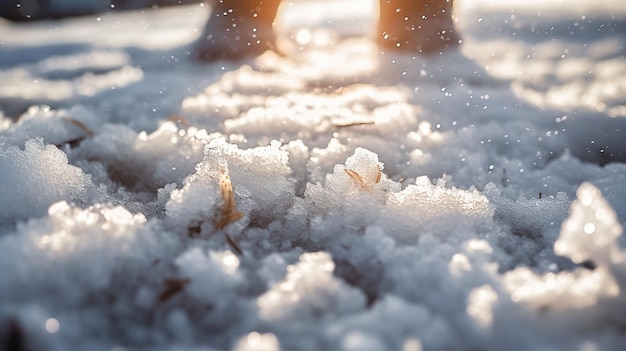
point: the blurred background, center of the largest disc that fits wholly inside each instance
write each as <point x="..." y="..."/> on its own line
<point x="29" y="10"/>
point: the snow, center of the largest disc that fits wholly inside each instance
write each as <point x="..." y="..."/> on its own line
<point x="332" y="198"/>
<point x="37" y="177"/>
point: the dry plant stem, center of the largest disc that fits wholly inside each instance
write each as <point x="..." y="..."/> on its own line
<point x="76" y="141"/>
<point x="172" y="287"/>
<point x="354" y="124"/>
<point x="233" y="244"/>
<point x="357" y="178"/>
<point x="362" y="182"/>
<point x="228" y="212"/>
<point x="80" y="125"/>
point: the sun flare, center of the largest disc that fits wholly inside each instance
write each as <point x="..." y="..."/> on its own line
<point x="353" y="15"/>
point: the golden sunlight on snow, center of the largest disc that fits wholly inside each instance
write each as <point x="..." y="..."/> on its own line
<point x="258" y="342"/>
<point x="480" y="304"/>
<point x="327" y="14"/>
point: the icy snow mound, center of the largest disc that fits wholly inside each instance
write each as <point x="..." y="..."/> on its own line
<point x="359" y="194"/>
<point x="590" y="234"/>
<point x="308" y="291"/>
<point x="264" y="187"/>
<point x="35" y="178"/>
<point x="74" y="254"/>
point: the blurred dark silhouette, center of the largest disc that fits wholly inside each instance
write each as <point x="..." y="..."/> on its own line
<point x="240" y="28"/>
<point x="243" y="28"/>
<point x="31" y="10"/>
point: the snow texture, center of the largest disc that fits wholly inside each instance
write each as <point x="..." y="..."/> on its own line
<point x="328" y="198"/>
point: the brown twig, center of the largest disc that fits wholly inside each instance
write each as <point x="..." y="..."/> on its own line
<point x="362" y="182"/>
<point x="76" y="141"/>
<point x="80" y="125"/>
<point x="228" y="213"/>
<point x="353" y="124"/>
<point x="173" y="286"/>
<point x="233" y="244"/>
<point x="357" y="178"/>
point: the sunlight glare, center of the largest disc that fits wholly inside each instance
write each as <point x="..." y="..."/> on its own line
<point x="349" y="17"/>
<point x="227" y="260"/>
<point x="480" y="304"/>
<point x="52" y="325"/>
<point x="258" y="342"/>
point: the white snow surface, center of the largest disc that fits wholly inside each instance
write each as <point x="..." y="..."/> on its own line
<point x="331" y="197"/>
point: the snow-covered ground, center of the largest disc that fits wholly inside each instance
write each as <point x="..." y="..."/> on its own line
<point x="331" y="198"/>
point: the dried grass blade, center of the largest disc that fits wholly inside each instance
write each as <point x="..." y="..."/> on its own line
<point x="357" y="178"/>
<point x="172" y="287"/>
<point x="80" y="125"/>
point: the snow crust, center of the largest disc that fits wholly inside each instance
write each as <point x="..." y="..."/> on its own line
<point x="35" y="178"/>
<point x="329" y="199"/>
